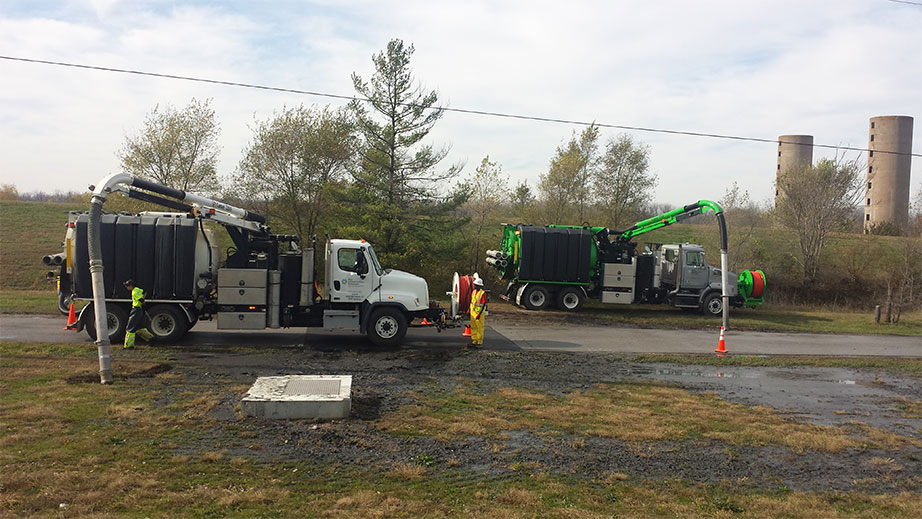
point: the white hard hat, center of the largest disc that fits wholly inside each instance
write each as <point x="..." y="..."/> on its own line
<point x="478" y="282"/>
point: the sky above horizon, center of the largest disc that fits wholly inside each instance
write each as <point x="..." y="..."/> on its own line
<point x="755" y="69"/>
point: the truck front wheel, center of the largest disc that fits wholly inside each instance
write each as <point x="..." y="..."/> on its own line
<point x="167" y="323"/>
<point x="387" y="327"/>
<point x="535" y="297"/>
<point x="713" y="305"/>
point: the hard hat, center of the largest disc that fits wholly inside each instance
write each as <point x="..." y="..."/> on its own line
<point x="129" y="282"/>
<point x="478" y="282"/>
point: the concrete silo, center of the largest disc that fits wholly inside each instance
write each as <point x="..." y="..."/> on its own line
<point x="887" y="198"/>
<point x="794" y="151"/>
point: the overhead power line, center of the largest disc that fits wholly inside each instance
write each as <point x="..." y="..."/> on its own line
<point x="448" y="109"/>
<point x="905" y="2"/>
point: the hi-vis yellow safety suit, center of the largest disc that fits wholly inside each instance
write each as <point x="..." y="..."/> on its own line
<point x="478" y="305"/>
<point x="136" y="318"/>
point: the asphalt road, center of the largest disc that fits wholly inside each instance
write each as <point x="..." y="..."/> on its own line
<point x="505" y="334"/>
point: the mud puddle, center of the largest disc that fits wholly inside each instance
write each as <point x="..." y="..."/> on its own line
<point x="821" y="396"/>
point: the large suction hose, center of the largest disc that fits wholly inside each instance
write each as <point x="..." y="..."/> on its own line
<point x="94" y="243"/>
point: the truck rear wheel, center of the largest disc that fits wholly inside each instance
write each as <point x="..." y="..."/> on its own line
<point x="116" y="320"/>
<point x="64" y="303"/>
<point x="535" y="297"/>
<point x="713" y="305"/>
<point x="167" y="323"/>
<point x="387" y="327"/>
<point x="570" y="299"/>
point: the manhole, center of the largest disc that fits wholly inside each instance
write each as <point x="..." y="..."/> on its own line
<point x="299" y="396"/>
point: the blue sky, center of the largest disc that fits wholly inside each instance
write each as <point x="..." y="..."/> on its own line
<point x="756" y="68"/>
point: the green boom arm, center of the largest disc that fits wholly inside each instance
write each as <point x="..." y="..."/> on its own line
<point x="677" y="215"/>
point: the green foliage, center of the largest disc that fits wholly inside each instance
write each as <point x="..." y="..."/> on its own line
<point x="565" y="188"/>
<point x="292" y="160"/>
<point x="178" y="149"/>
<point x="487" y="190"/>
<point x="396" y="171"/>
<point x="622" y="182"/>
<point x="523" y="201"/>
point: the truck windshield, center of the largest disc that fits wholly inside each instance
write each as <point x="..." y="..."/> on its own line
<point x="374" y="259"/>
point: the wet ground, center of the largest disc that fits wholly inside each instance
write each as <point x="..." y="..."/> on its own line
<point x="383" y="381"/>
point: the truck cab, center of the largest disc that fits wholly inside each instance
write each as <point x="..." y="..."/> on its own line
<point x="692" y="283"/>
<point x="362" y="296"/>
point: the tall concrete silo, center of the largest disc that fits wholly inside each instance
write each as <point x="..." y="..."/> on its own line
<point x="794" y="151"/>
<point x="887" y="198"/>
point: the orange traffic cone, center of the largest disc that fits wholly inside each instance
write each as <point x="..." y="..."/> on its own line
<point x="425" y="322"/>
<point x="71" y="319"/>
<point x="467" y="331"/>
<point x="721" y="344"/>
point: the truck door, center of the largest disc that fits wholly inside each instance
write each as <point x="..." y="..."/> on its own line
<point x="350" y="275"/>
<point x="695" y="269"/>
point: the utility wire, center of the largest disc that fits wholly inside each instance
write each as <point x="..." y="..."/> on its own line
<point x="905" y="2"/>
<point x="448" y="109"/>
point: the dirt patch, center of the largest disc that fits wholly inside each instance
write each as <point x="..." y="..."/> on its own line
<point x="386" y="382"/>
<point x="121" y="373"/>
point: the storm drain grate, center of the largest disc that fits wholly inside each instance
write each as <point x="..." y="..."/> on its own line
<point x="299" y="396"/>
<point x="300" y="386"/>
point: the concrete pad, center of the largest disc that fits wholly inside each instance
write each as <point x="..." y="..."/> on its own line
<point x="299" y="396"/>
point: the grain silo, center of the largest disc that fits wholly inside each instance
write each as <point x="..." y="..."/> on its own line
<point x="889" y="162"/>
<point x="794" y="152"/>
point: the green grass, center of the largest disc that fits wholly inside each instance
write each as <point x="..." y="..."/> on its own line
<point x="14" y="301"/>
<point x="28" y="231"/>
<point x="146" y="447"/>
<point x="894" y="365"/>
<point x="767" y="318"/>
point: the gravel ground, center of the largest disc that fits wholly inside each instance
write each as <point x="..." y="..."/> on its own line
<point x="382" y="381"/>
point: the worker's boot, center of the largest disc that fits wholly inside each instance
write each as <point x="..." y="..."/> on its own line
<point x="129" y="340"/>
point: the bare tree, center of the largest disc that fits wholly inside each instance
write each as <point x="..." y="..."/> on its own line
<point x="622" y="182"/>
<point x="565" y="188"/>
<point x="816" y="201"/>
<point x="488" y="188"/>
<point x="178" y="149"/>
<point x="293" y="158"/>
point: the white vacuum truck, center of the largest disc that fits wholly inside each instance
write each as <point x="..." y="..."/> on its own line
<point x="267" y="280"/>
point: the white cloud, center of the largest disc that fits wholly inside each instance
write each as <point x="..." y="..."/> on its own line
<point x="758" y="69"/>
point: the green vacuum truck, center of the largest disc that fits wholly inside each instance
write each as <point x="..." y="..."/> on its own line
<point x="564" y="265"/>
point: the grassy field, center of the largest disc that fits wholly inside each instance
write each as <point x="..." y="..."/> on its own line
<point x="29" y="231"/>
<point x="767" y="318"/>
<point x="147" y="447"/>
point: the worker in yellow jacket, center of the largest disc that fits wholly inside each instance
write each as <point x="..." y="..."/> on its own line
<point x="478" y="311"/>
<point x="136" y="317"/>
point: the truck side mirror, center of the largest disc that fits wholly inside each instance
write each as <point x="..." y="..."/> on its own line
<point x="361" y="265"/>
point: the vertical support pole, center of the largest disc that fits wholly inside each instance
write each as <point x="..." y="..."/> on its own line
<point x="724" y="287"/>
<point x="724" y="268"/>
<point x="94" y="244"/>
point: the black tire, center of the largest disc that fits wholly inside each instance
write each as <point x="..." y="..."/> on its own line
<point x="167" y="323"/>
<point x="64" y="303"/>
<point x="386" y="327"/>
<point x="570" y="299"/>
<point x="713" y="305"/>
<point x="535" y="297"/>
<point x="117" y="319"/>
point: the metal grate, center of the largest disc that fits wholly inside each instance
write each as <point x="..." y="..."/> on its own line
<point x="313" y="387"/>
